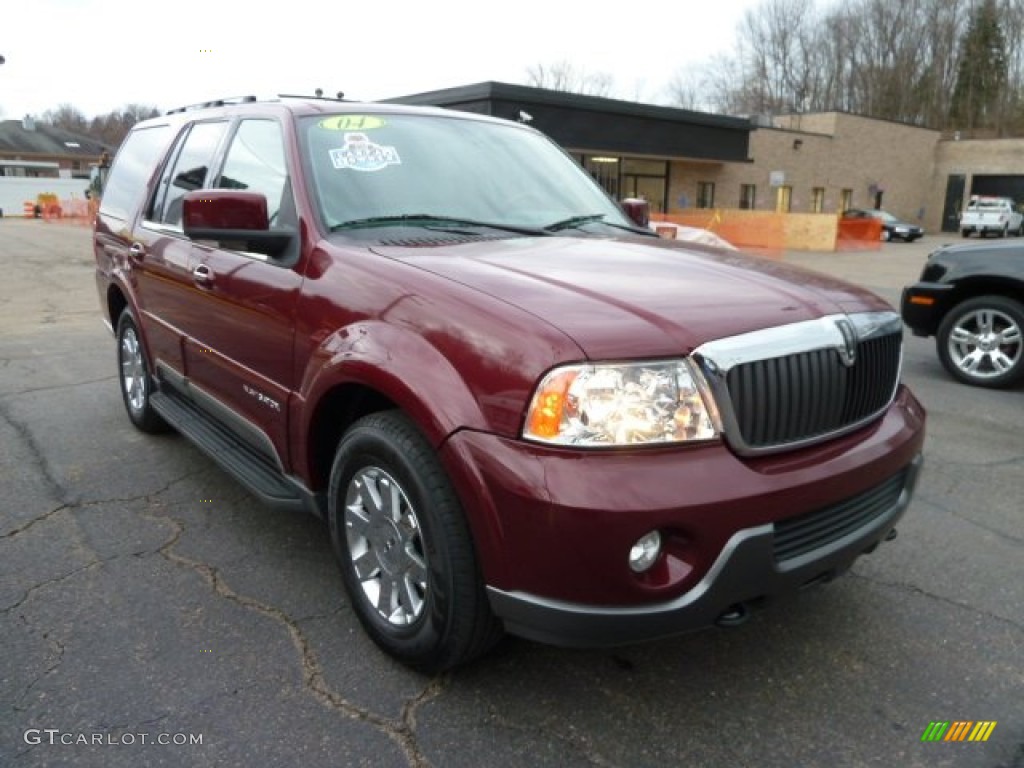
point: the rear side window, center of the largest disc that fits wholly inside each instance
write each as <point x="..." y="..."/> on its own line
<point x="133" y="166"/>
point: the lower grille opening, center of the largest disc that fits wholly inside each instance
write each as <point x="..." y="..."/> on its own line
<point x="800" y="535"/>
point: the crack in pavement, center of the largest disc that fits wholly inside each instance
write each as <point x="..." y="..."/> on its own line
<point x="40" y="519"/>
<point x="550" y="728"/>
<point x="970" y="520"/>
<point x="58" y="648"/>
<point x="940" y="598"/>
<point x="55" y="580"/>
<point x="34" y="449"/>
<point x="1013" y="461"/>
<point x="144" y="497"/>
<point x="400" y="731"/>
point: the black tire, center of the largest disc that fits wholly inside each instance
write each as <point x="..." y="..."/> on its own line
<point x="886" y="236"/>
<point x="965" y="233"/>
<point x="134" y="377"/>
<point x="417" y="589"/>
<point x="981" y="342"/>
<point x="1005" y="231"/>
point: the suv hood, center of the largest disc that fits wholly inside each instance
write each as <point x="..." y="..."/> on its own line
<point x="619" y="298"/>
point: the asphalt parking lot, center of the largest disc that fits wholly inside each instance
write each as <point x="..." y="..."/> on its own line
<point x="152" y="613"/>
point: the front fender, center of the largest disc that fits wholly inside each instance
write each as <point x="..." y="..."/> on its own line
<point x="400" y="365"/>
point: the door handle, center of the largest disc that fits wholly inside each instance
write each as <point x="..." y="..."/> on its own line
<point x="137" y="252"/>
<point x="203" y="276"/>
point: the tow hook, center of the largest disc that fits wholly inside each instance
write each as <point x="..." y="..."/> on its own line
<point x="733" y="616"/>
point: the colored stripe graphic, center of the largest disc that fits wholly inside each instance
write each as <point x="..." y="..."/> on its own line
<point x="982" y="731"/>
<point x="958" y="730"/>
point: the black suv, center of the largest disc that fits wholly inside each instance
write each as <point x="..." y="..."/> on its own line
<point x="970" y="297"/>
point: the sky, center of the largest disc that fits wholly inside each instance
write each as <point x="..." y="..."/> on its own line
<point x="99" y="55"/>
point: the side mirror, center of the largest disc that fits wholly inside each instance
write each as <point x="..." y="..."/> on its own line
<point x="638" y="210"/>
<point x="234" y="219"/>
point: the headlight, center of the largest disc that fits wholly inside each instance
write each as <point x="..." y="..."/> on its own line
<point x="625" y="404"/>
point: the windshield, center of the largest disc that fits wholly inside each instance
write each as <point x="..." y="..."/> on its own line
<point x="381" y="169"/>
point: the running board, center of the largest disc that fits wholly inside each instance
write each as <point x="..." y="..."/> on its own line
<point x="247" y="466"/>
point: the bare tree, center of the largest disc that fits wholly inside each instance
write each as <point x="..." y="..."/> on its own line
<point x="777" y="51"/>
<point x="68" y="117"/>
<point x="112" y="127"/>
<point x="886" y="59"/>
<point x="686" y="90"/>
<point x="566" y="76"/>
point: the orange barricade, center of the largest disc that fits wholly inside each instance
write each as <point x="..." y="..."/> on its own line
<point x="767" y="233"/>
<point x="859" y="235"/>
<point x="759" y="232"/>
<point x="73" y="211"/>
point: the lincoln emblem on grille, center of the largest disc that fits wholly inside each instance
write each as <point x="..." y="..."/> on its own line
<point x="848" y="350"/>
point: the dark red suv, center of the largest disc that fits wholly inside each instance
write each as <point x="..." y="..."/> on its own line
<point x="516" y="409"/>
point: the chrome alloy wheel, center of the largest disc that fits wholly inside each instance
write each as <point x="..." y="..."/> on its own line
<point x="385" y="544"/>
<point x="133" y="370"/>
<point x="985" y="343"/>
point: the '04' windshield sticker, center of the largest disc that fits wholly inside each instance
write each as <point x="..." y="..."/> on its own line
<point x="351" y="123"/>
<point x="361" y="154"/>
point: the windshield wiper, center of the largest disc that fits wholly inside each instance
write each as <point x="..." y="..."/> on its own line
<point x="576" y="221"/>
<point x="425" y="219"/>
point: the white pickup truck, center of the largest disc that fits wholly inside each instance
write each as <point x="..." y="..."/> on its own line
<point x="991" y="214"/>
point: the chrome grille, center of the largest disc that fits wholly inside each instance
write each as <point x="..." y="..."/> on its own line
<point x="795" y="385"/>
<point x="790" y="399"/>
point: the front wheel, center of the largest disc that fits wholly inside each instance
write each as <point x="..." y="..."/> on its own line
<point x="135" y="378"/>
<point x="981" y="341"/>
<point x="402" y="541"/>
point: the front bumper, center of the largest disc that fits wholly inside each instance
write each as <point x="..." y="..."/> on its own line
<point x="923" y="305"/>
<point x="553" y="527"/>
<point x="747" y="573"/>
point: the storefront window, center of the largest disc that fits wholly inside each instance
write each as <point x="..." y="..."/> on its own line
<point x="605" y="171"/>
<point x="817" y="199"/>
<point x="705" y="194"/>
<point x="748" y="197"/>
<point x="630" y="177"/>
<point x="783" y="198"/>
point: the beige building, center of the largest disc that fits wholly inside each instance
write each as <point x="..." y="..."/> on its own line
<point x="820" y="163"/>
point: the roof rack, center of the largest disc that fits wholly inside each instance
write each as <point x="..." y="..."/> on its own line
<point x="317" y="94"/>
<point x="214" y="103"/>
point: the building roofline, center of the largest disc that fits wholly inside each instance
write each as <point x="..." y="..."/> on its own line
<point x="496" y="90"/>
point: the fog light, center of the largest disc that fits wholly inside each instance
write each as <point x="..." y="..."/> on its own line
<point x="645" y="552"/>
